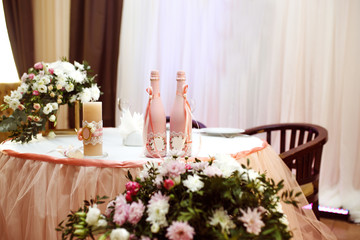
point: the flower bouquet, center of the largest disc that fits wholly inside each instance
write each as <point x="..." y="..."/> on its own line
<point x="219" y="199"/>
<point x="44" y="87"/>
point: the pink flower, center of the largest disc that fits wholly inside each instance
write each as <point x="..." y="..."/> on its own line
<point x="38" y="65"/>
<point x="128" y="196"/>
<point x="36" y="118"/>
<point x="169" y="184"/>
<point x="252" y="220"/>
<point x="21" y="107"/>
<point x="173" y="168"/>
<point x="133" y="187"/>
<point x="136" y="211"/>
<point x="188" y="167"/>
<point x="31" y="76"/>
<point x="35" y="92"/>
<point x="36" y="106"/>
<point x="24" y="77"/>
<point x="51" y="70"/>
<point x="180" y="231"/>
<point x="121" y="210"/>
<point x="109" y="208"/>
<point x="30" y="117"/>
<point x="212" y="171"/>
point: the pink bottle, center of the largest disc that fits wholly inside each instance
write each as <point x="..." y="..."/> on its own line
<point x="180" y="119"/>
<point x="155" y="121"/>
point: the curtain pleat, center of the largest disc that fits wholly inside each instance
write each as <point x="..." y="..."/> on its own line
<point x="94" y="37"/>
<point x="19" y="22"/>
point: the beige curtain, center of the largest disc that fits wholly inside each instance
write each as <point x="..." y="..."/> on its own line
<point x="52" y="31"/>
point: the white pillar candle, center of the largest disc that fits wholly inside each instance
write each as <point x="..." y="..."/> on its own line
<point x="92" y="111"/>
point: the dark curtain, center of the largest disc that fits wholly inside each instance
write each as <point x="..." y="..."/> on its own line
<point x="19" y="22"/>
<point x="94" y="37"/>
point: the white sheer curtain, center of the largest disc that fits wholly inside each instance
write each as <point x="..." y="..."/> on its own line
<point x="256" y="62"/>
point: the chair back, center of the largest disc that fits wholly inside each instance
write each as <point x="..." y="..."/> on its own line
<point x="300" y="147"/>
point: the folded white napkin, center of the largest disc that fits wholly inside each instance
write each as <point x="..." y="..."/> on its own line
<point x="131" y="128"/>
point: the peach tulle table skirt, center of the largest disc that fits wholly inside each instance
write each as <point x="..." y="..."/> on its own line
<point x="38" y="190"/>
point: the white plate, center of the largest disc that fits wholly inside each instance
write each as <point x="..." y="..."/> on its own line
<point x="225" y="132"/>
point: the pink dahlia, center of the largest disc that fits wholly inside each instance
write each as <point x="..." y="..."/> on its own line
<point x="180" y="231"/>
<point x="136" y="211"/>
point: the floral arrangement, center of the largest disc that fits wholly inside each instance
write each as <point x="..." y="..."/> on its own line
<point x="219" y="199"/>
<point x="43" y="88"/>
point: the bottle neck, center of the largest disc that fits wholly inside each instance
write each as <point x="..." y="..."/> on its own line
<point x="155" y="84"/>
<point x="179" y="87"/>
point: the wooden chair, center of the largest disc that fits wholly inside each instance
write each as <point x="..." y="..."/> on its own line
<point x="195" y="124"/>
<point x="300" y="147"/>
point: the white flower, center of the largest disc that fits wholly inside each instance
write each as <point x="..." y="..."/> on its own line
<point x="14" y="103"/>
<point x="155" y="228"/>
<point x="51" y="135"/>
<point x="101" y="223"/>
<point x="85" y="95"/>
<point x="157" y="209"/>
<point x="46" y="79"/>
<point x="52" y="118"/>
<point x="55" y="105"/>
<point x="221" y="218"/>
<point x="7" y="99"/>
<point x="48" y="108"/>
<point x="23" y="88"/>
<point x="69" y="87"/>
<point x="227" y="165"/>
<point x="73" y="98"/>
<point x="79" y="65"/>
<point x="16" y="95"/>
<point x="119" y="234"/>
<point x="193" y="183"/>
<point x="78" y="76"/>
<point x="92" y="215"/>
<point x="95" y="92"/>
<point x="42" y="88"/>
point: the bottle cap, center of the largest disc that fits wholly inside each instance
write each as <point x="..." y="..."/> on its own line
<point x="180" y="76"/>
<point x="154" y="75"/>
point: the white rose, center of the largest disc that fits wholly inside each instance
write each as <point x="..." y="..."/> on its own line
<point x="42" y="88"/>
<point x="47" y="109"/>
<point x="119" y="234"/>
<point x="52" y="118"/>
<point x="14" y="103"/>
<point x="55" y="105"/>
<point x="69" y="87"/>
<point x="93" y="215"/>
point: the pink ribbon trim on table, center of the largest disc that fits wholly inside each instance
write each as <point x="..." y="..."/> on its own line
<point x="76" y="161"/>
<point x="111" y="163"/>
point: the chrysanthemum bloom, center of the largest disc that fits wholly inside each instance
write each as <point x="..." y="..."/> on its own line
<point x="212" y="171"/>
<point x="173" y="168"/>
<point x="136" y="211"/>
<point x="180" y="231"/>
<point x="252" y="220"/>
<point x="157" y="209"/>
<point x="121" y="210"/>
<point x="193" y="183"/>
<point x="221" y="218"/>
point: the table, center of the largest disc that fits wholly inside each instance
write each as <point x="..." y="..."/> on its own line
<point x="39" y="186"/>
